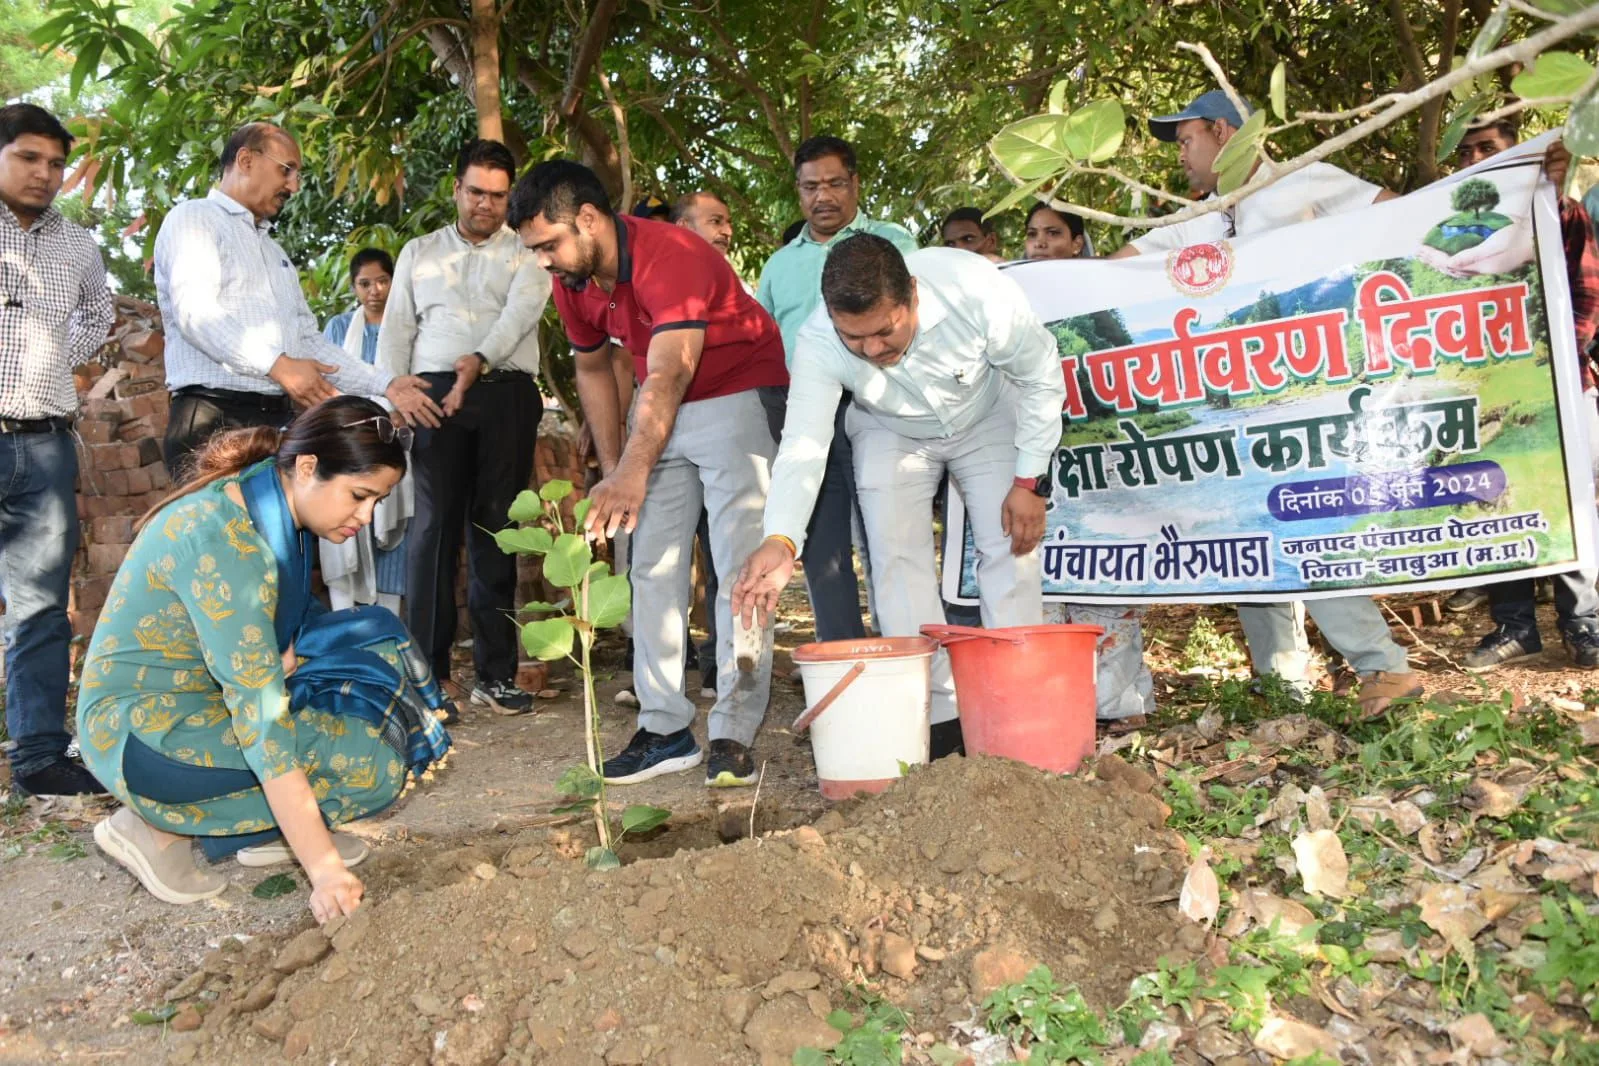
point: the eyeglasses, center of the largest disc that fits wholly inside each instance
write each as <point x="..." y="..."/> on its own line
<point x="388" y="432"/>
<point x="290" y="170"/>
<point x="811" y="188"/>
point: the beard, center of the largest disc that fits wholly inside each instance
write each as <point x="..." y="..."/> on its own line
<point x="587" y="262"/>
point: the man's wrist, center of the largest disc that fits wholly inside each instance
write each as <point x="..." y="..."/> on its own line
<point x="793" y="549"/>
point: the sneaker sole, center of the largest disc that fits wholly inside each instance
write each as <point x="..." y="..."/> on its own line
<point x="279" y="853"/>
<point x="728" y="779"/>
<point x="132" y="859"/>
<point x="498" y="708"/>
<point x="1463" y="609"/>
<point x="1490" y="668"/>
<point x="665" y="766"/>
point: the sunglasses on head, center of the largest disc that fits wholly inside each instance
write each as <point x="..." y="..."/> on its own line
<point x="388" y="432"/>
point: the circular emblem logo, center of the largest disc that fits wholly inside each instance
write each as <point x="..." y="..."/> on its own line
<point x="1200" y="269"/>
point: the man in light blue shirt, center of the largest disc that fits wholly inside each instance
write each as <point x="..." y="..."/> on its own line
<point x="791" y="289"/>
<point x="949" y="370"/>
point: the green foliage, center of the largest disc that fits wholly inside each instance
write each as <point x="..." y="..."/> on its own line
<point x="549" y="638"/>
<point x="1206" y="649"/>
<point x="1056" y="1024"/>
<point x="1552" y="74"/>
<point x="154" y="1015"/>
<point x="275" y="886"/>
<point x="1571" y="950"/>
<point x="870" y="1039"/>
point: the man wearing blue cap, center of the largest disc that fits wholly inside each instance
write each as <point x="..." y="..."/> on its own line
<point x="1352" y="624"/>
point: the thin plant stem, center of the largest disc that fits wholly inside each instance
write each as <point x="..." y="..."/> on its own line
<point x="591" y="733"/>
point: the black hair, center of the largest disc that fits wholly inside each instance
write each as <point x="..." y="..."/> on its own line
<point x="820" y="147"/>
<point x="343" y="433"/>
<point x="485" y="153"/>
<point x="1073" y="222"/>
<point x="860" y="271"/>
<point x="556" y="189"/>
<point x="371" y="255"/>
<point x="793" y="230"/>
<point x="1506" y="127"/>
<point x="973" y="215"/>
<point x="19" y="119"/>
<point x="684" y="204"/>
<point x="252" y="135"/>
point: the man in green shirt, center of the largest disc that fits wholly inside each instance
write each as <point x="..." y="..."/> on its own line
<point x="791" y="288"/>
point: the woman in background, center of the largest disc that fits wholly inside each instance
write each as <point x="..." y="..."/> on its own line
<point x="369" y="568"/>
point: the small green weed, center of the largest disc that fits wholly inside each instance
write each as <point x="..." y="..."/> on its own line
<point x="1053" y="1022"/>
<point x="1571" y="949"/>
<point x="1206" y="649"/>
<point x="873" y="1039"/>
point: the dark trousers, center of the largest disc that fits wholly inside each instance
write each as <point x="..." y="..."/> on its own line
<point x="194" y="416"/>
<point x="1513" y="605"/>
<point x="828" y="557"/>
<point x="467" y="472"/>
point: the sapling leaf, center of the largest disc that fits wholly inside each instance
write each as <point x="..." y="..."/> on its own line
<point x="641" y="818"/>
<point x="580" y="511"/>
<point x="541" y="605"/>
<point x="555" y="491"/>
<point x="526" y="507"/>
<point x="599" y="858"/>
<point x="573" y="808"/>
<point x="610" y="598"/>
<point x="275" y="886"/>
<point x="566" y="560"/>
<point x="809" y="1056"/>
<point x="578" y="781"/>
<point x="548" y="638"/>
<point x="154" y="1015"/>
<point x="527" y="540"/>
<point x="598" y="568"/>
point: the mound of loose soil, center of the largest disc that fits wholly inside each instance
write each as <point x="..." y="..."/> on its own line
<point x="958" y="879"/>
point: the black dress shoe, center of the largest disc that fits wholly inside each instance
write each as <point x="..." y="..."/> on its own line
<point x="944" y="738"/>
<point x="61" y="779"/>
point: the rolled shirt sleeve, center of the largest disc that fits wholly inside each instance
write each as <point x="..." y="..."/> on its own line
<point x="1025" y="352"/>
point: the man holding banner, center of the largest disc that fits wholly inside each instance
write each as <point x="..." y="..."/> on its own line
<point x="950" y="370"/>
<point x="1353" y="625"/>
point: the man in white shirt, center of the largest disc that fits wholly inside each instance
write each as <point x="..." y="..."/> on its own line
<point x="242" y="347"/>
<point x="465" y="306"/>
<point x="1353" y="625"/>
<point x="949" y="370"/>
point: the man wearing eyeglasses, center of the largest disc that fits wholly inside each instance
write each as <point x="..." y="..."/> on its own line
<point x="791" y="288"/>
<point x="242" y="346"/>
<point x="463" y="313"/>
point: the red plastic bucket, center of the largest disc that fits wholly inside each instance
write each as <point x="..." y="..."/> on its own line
<point x="1026" y="692"/>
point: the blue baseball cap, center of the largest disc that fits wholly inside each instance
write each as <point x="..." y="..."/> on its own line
<point x="1211" y="105"/>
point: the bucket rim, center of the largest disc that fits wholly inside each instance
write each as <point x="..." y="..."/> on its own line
<point x="945" y="634"/>
<point x="864" y="648"/>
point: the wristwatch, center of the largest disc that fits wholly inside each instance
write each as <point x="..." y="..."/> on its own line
<point x="1038" y="486"/>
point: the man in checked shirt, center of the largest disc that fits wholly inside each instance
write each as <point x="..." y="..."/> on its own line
<point x="55" y="313"/>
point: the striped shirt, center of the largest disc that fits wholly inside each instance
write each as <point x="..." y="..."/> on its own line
<point x="55" y="312"/>
<point x="231" y="304"/>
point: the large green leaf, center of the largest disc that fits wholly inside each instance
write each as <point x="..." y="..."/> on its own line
<point x="1017" y="195"/>
<point x="1455" y="128"/>
<point x="1032" y="148"/>
<point x="1561" y="7"/>
<point x="548" y="638"/>
<point x="1057" y="96"/>
<point x="1552" y="74"/>
<point x="1279" y="91"/>
<point x="528" y="540"/>
<point x="566" y="560"/>
<point x="641" y="818"/>
<point x="1094" y="132"/>
<point x="1493" y="29"/>
<point x="580" y="511"/>
<point x="555" y="491"/>
<point x="578" y="781"/>
<point x="1582" y="125"/>
<point x="526" y="507"/>
<point x="610" y="598"/>
<point x="1242" y="145"/>
<point x="601" y="859"/>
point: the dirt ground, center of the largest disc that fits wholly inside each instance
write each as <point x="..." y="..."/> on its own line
<point x="485" y="935"/>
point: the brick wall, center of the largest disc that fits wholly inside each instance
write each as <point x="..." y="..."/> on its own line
<point x="121" y="422"/>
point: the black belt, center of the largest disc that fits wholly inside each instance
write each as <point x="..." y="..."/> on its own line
<point x="54" y="424"/>
<point x="491" y="377"/>
<point x="264" y="401"/>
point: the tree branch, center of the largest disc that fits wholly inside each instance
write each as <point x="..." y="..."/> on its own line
<point x="1520" y="52"/>
<point x="585" y="55"/>
<point x="620" y="117"/>
<point x="741" y="75"/>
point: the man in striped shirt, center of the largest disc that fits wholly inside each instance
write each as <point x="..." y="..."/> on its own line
<point x="242" y="347"/>
<point x="55" y="312"/>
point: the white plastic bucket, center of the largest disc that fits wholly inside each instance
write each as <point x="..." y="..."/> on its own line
<point x="868" y="704"/>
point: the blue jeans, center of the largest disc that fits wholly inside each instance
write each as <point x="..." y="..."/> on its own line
<point x="38" y="538"/>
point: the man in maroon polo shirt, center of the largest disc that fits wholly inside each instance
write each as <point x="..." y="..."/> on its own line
<point x="701" y="348"/>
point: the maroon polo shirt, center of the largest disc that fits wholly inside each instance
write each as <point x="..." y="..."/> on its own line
<point x="669" y="278"/>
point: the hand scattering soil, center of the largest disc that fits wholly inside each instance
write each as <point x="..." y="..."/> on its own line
<point x="959" y="878"/>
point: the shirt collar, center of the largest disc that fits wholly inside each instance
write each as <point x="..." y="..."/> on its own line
<point x="854" y="225"/>
<point x="49" y="219"/>
<point x="233" y="207"/>
<point x="624" y="253"/>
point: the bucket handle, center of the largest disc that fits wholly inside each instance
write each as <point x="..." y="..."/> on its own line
<point x="803" y="722"/>
<point x="947" y="635"/>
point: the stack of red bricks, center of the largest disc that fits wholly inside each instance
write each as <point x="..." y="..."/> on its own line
<point x="121" y="422"/>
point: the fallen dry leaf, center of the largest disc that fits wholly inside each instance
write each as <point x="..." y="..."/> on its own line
<point x="1452" y="911"/>
<point x="1289" y="1038"/>
<point x="1428" y="839"/>
<point x="1322" y="864"/>
<point x="1589" y="732"/>
<point x="1263" y="908"/>
<point x="1318" y="812"/>
<point x="1201" y="895"/>
<point x="1496" y="904"/>
<point x="1491" y="799"/>
<point x="1476" y="1033"/>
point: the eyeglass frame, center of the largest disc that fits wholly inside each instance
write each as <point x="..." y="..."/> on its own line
<point x="404" y="434"/>
<point x="291" y="171"/>
<point x="831" y="185"/>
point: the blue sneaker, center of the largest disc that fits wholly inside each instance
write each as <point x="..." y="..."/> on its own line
<point x="650" y="755"/>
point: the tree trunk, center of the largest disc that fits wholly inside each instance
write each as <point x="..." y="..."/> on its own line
<point x="486" y="70"/>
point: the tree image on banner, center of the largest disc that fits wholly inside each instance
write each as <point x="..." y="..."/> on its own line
<point x="597" y="599"/>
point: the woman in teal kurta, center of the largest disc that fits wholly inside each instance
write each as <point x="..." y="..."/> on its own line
<point x="197" y="711"/>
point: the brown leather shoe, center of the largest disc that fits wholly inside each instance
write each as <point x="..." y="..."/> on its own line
<point x="1378" y="690"/>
